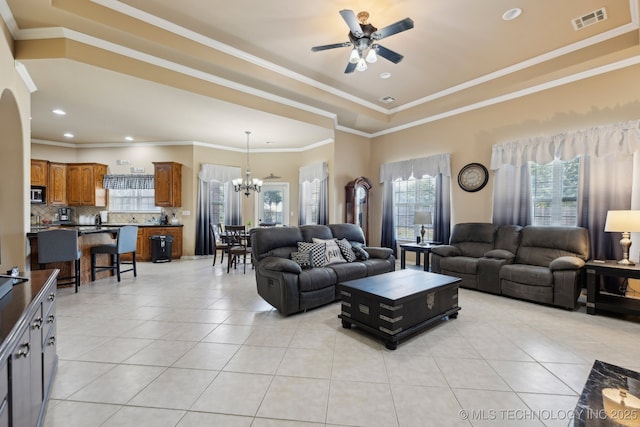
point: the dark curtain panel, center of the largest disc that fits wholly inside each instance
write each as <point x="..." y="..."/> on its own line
<point x="323" y="202"/>
<point x="605" y="184"/>
<point x="301" y="210"/>
<point x="512" y="196"/>
<point x="204" y="243"/>
<point x="442" y="212"/>
<point x="388" y="236"/>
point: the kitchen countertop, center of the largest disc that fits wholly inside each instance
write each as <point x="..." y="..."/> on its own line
<point x="111" y="227"/>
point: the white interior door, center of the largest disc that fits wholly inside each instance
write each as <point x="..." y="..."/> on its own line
<point x="272" y="206"/>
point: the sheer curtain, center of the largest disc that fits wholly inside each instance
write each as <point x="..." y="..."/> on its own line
<point x="606" y="178"/>
<point x="233" y="203"/>
<point x="310" y="173"/>
<point x="438" y="166"/>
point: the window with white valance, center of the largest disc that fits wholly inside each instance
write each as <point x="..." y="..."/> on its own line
<point x="438" y="168"/>
<point x="607" y="155"/>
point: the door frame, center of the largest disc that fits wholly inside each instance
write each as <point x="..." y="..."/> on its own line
<point x="266" y="186"/>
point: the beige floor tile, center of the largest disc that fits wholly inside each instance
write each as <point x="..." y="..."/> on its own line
<point x="175" y="389"/>
<point x="200" y="419"/>
<point x="74" y="375"/>
<point x="361" y="404"/>
<point x="116" y="350"/>
<point x="230" y="334"/>
<point x="118" y="385"/>
<point x="418" y="405"/>
<point x="256" y="360"/>
<point x="234" y="393"/>
<point x="530" y="377"/>
<point x="410" y="369"/>
<point x="160" y="353"/>
<point x="495" y="408"/>
<point x="551" y="409"/>
<point x="211" y="356"/>
<point x="573" y="374"/>
<point x="309" y="363"/>
<point x="470" y="373"/>
<point x="129" y="416"/>
<point x="359" y="366"/>
<point x="78" y="414"/>
<point x="284" y="391"/>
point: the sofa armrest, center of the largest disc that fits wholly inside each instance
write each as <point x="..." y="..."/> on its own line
<point x="280" y="264"/>
<point x="500" y="254"/>
<point x="378" y="252"/>
<point x="566" y="263"/>
<point x="446" y="250"/>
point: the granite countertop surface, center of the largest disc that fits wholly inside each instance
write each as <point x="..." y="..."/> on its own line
<point x="92" y="229"/>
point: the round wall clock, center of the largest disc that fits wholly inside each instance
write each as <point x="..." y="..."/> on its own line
<point x="473" y="177"/>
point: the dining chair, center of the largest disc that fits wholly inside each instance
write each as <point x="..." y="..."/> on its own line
<point x="60" y="246"/>
<point x="219" y="244"/>
<point x="237" y="239"/>
<point x="126" y="242"/>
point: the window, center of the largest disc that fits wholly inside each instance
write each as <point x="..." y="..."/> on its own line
<point x="133" y="201"/>
<point x="554" y="190"/>
<point x="216" y="195"/>
<point x="411" y="196"/>
<point x="311" y="201"/>
<point x="272" y="203"/>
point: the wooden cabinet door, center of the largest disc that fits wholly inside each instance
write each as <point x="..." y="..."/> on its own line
<point x="39" y="172"/>
<point x="74" y="185"/>
<point x="168" y="184"/>
<point x="87" y="191"/>
<point x="57" y="189"/>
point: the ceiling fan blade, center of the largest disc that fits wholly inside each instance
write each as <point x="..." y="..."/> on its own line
<point x="350" y="68"/>
<point x="389" y="30"/>
<point x="330" y="46"/>
<point x="387" y="54"/>
<point x="352" y="22"/>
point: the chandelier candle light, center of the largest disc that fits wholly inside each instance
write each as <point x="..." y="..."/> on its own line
<point x="249" y="184"/>
<point x="623" y="222"/>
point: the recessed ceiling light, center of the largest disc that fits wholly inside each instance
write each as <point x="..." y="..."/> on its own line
<point x="268" y="142"/>
<point x="59" y="112"/>
<point x="512" y="14"/>
<point x="385" y="75"/>
<point x="68" y="135"/>
<point x="128" y="138"/>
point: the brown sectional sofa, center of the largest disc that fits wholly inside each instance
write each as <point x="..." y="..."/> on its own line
<point x="288" y="287"/>
<point x="535" y="263"/>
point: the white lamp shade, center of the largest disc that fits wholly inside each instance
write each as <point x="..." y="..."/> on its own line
<point x="422" y="217"/>
<point x="622" y="221"/>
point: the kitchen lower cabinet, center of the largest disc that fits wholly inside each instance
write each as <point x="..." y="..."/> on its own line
<point x="144" y="246"/>
<point x="28" y="355"/>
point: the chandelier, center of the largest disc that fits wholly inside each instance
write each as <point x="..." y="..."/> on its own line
<point x="249" y="184"/>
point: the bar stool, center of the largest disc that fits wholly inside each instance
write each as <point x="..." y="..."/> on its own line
<point x="60" y="246"/>
<point x="125" y="243"/>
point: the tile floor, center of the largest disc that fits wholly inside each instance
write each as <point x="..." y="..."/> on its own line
<point x="186" y="344"/>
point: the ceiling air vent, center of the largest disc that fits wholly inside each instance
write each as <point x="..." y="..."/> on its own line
<point x="387" y="99"/>
<point x="589" y="19"/>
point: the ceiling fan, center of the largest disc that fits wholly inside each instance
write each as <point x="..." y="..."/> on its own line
<point x="364" y="38"/>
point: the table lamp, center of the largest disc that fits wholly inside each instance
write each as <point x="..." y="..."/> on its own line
<point x="422" y="218"/>
<point x="623" y="222"/>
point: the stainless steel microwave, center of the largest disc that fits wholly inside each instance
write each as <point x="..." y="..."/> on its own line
<point x="38" y="194"/>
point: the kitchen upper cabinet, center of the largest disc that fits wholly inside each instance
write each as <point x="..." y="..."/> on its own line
<point x="168" y="184"/>
<point x="85" y="184"/>
<point x="39" y="172"/>
<point x="57" y="188"/>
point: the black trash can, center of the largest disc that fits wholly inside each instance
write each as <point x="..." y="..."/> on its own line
<point x="161" y="248"/>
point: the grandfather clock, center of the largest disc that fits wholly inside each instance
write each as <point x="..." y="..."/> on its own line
<point x="357" y="204"/>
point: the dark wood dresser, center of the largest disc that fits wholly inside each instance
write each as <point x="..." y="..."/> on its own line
<point x="28" y="355"/>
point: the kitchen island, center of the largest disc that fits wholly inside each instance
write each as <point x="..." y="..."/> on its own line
<point x="90" y="236"/>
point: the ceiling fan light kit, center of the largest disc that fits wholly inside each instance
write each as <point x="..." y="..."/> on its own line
<point x="362" y="36"/>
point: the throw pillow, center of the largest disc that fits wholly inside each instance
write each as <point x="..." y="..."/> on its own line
<point x="303" y="259"/>
<point x="332" y="251"/>
<point x="345" y="248"/>
<point x="361" y="254"/>
<point x="317" y="251"/>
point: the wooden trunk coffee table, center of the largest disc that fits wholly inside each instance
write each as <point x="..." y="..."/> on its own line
<point x="395" y="305"/>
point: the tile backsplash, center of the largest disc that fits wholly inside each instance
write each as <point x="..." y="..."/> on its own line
<point x="48" y="214"/>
